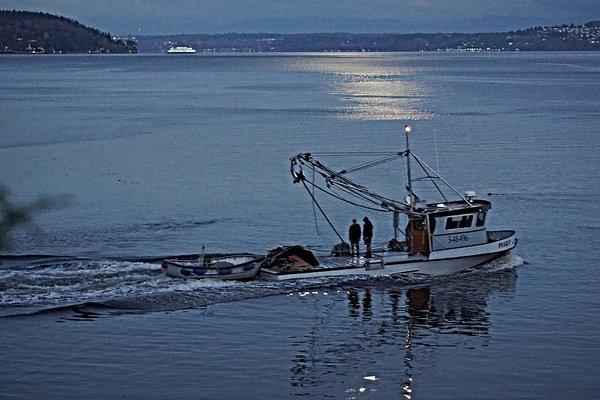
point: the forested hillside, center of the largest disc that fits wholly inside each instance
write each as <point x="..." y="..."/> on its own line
<point x="34" y="32"/>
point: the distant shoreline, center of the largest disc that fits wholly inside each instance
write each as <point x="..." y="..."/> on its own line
<point x="542" y="38"/>
<point x="288" y="53"/>
<point x="25" y="32"/>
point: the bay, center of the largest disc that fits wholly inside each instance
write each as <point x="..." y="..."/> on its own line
<point x="161" y="155"/>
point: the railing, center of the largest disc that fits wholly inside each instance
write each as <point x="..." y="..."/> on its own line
<point x="494" y="236"/>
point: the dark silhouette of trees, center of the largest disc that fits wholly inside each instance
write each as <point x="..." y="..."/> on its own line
<point x="29" y="32"/>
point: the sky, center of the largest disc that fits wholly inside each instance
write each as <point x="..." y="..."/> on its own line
<point x="151" y="17"/>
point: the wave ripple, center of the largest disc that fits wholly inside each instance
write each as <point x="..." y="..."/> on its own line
<point x="141" y="286"/>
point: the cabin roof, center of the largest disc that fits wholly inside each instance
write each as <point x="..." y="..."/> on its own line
<point x="457" y="207"/>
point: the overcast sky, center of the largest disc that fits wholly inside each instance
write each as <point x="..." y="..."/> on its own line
<point x="209" y="16"/>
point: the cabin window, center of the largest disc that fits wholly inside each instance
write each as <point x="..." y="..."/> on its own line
<point x="464" y="221"/>
<point x="451" y="223"/>
<point x="480" y="219"/>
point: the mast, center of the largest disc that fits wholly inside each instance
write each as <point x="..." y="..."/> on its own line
<point x="408" y="233"/>
<point x="407" y="129"/>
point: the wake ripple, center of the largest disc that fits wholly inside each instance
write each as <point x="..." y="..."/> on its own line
<point x="134" y="286"/>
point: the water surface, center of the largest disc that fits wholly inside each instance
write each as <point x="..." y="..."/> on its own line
<point x="162" y="155"/>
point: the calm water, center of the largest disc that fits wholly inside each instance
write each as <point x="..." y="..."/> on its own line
<point x="161" y="155"/>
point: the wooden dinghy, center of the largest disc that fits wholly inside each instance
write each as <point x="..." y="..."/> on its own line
<point x="241" y="266"/>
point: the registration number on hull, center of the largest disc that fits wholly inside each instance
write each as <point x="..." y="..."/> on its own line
<point x="458" y="238"/>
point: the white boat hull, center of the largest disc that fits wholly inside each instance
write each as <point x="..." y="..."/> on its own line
<point x="387" y="264"/>
<point x="238" y="267"/>
<point x="181" y="50"/>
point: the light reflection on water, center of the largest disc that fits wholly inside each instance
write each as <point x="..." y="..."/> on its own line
<point x="391" y="334"/>
<point x="372" y="89"/>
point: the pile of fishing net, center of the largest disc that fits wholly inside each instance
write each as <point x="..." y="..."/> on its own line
<point x="290" y="258"/>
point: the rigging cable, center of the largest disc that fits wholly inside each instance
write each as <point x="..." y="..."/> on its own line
<point x="313" y="205"/>
<point x="322" y="212"/>
<point x="337" y="196"/>
<point x="423" y="163"/>
<point x="335" y="179"/>
<point x="431" y="178"/>
<point x="370" y="164"/>
<point x="354" y="153"/>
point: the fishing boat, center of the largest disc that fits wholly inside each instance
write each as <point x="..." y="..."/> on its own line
<point x="241" y="266"/>
<point x="441" y="237"/>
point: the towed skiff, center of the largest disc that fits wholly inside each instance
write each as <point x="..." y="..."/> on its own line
<point x="227" y="267"/>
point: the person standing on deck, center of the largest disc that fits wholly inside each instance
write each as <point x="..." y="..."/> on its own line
<point x="354" y="236"/>
<point x="367" y="235"/>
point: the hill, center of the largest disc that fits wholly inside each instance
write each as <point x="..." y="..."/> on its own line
<point x="550" y="38"/>
<point x="35" y="32"/>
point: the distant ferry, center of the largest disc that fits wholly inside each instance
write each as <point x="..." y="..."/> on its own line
<point x="181" y="50"/>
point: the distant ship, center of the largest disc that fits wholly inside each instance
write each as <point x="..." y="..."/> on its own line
<point x="181" y="50"/>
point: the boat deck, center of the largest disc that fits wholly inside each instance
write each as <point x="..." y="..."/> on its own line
<point x="328" y="262"/>
<point x="332" y="263"/>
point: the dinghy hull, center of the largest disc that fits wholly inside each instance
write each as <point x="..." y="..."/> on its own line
<point x="231" y="267"/>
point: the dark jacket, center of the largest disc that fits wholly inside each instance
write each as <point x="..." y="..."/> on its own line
<point x="354" y="233"/>
<point x="368" y="229"/>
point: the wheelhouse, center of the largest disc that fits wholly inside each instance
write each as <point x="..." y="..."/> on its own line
<point x="449" y="225"/>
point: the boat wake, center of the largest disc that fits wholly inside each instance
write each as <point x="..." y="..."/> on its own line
<point x="92" y="288"/>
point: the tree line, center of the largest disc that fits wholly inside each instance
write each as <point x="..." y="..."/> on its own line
<point x="27" y="32"/>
